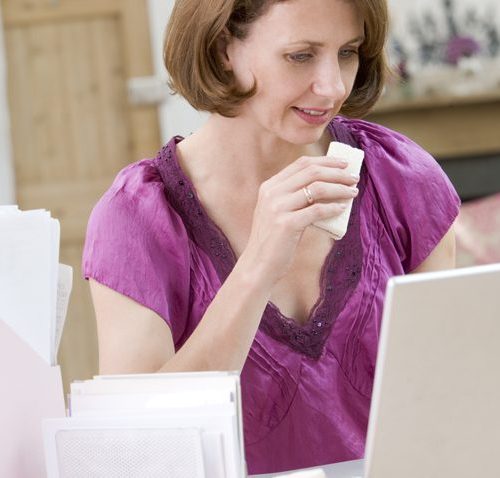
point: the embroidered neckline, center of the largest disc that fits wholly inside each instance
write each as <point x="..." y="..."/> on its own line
<point x="339" y="275"/>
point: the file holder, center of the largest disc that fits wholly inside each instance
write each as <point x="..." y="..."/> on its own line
<point x="32" y="391"/>
<point x="114" y="448"/>
<point x="153" y="425"/>
<point x="173" y="444"/>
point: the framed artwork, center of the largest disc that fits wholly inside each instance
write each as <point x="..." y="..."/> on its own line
<point x="445" y="47"/>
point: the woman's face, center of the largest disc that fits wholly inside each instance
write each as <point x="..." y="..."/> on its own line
<point x="303" y="56"/>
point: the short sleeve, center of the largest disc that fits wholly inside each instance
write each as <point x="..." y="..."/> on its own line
<point x="137" y="245"/>
<point x="418" y="204"/>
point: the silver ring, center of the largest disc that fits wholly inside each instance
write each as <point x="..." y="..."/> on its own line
<point x="308" y="195"/>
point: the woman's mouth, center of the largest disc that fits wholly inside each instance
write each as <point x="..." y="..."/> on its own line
<point x="314" y="116"/>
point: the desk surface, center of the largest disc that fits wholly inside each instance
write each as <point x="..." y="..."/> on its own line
<point x="347" y="469"/>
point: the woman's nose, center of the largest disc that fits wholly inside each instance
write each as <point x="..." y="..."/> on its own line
<point x="329" y="82"/>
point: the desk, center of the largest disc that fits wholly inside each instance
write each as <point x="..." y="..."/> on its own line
<point x="347" y="469"/>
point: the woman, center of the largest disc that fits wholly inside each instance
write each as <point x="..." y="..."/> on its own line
<point x="204" y="258"/>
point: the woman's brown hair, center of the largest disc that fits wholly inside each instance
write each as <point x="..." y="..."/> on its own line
<point x="191" y="53"/>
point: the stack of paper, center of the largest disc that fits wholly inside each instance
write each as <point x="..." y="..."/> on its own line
<point x="34" y="288"/>
<point x="31" y="319"/>
<point x="178" y="424"/>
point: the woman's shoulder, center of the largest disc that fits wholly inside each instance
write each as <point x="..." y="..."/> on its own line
<point x="136" y="182"/>
<point x="137" y="245"/>
<point x="136" y="204"/>
<point x="412" y="194"/>
<point x="395" y="161"/>
<point x="137" y="189"/>
<point x="398" y="165"/>
<point x="387" y="146"/>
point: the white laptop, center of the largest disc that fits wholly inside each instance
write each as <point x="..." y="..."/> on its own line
<point x="436" y="399"/>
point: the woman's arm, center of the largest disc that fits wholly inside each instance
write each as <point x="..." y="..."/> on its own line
<point x="131" y="337"/>
<point x="443" y="255"/>
<point x="134" y="339"/>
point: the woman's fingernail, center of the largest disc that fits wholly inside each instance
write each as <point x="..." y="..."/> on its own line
<point x="354" y="176"/>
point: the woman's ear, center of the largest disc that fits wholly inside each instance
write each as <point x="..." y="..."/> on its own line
<point x="222" y="44"/>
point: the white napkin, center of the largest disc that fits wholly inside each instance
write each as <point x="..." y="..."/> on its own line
<point x="337" y="226"/>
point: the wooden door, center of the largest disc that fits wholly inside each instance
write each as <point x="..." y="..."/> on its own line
<point x="73" y="127"/>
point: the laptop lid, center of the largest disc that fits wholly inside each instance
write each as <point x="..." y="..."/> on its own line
<point x="436" y="399"/>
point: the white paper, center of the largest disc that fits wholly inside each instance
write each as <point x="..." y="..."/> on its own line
<point x="9" y="209"/>
<point x="194" y="391"/>
<point x="29" y="274"/>
<point x="55" y="237"/>
<point x="147" y="404"/>
<point x="64" y="286"/>
<point x="208" y="400"/>
<point x="157" y="383"/>
<point x="25" y="278"/>
<point x="315" y="473"/>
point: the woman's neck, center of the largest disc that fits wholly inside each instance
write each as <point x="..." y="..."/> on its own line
<point x="229" y="149"/>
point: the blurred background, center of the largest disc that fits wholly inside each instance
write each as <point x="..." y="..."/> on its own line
<point x="83" y="93"/>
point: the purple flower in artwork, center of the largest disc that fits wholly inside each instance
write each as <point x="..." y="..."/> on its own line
<point x="459" y="47"/>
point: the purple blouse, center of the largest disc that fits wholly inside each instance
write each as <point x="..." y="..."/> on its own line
<point x="306" y="388"/>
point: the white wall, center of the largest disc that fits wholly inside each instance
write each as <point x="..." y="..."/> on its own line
<point x="6" y="168"/>
<point x="176" y="115"/>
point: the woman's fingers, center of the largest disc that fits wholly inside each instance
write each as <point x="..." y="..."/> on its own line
<point x="308" y="170"/>
<point x="319" y="192"/>
<point x="308" y="161"/>
<point x="315" y="193"/>
<point x="294" y="221"/>
<point x="316" y="173"/>
<point x="324" y="184"/>
<point x="317" y="212"/>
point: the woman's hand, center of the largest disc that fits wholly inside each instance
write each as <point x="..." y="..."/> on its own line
<point x="284" y="209"/>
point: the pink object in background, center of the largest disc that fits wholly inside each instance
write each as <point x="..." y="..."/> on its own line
<point x="31" y="390"/>
<point x="478" y="232"/>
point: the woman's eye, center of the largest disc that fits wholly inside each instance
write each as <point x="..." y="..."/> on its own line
<point x="348" y="53"/>
<point x="299" y="57"/>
